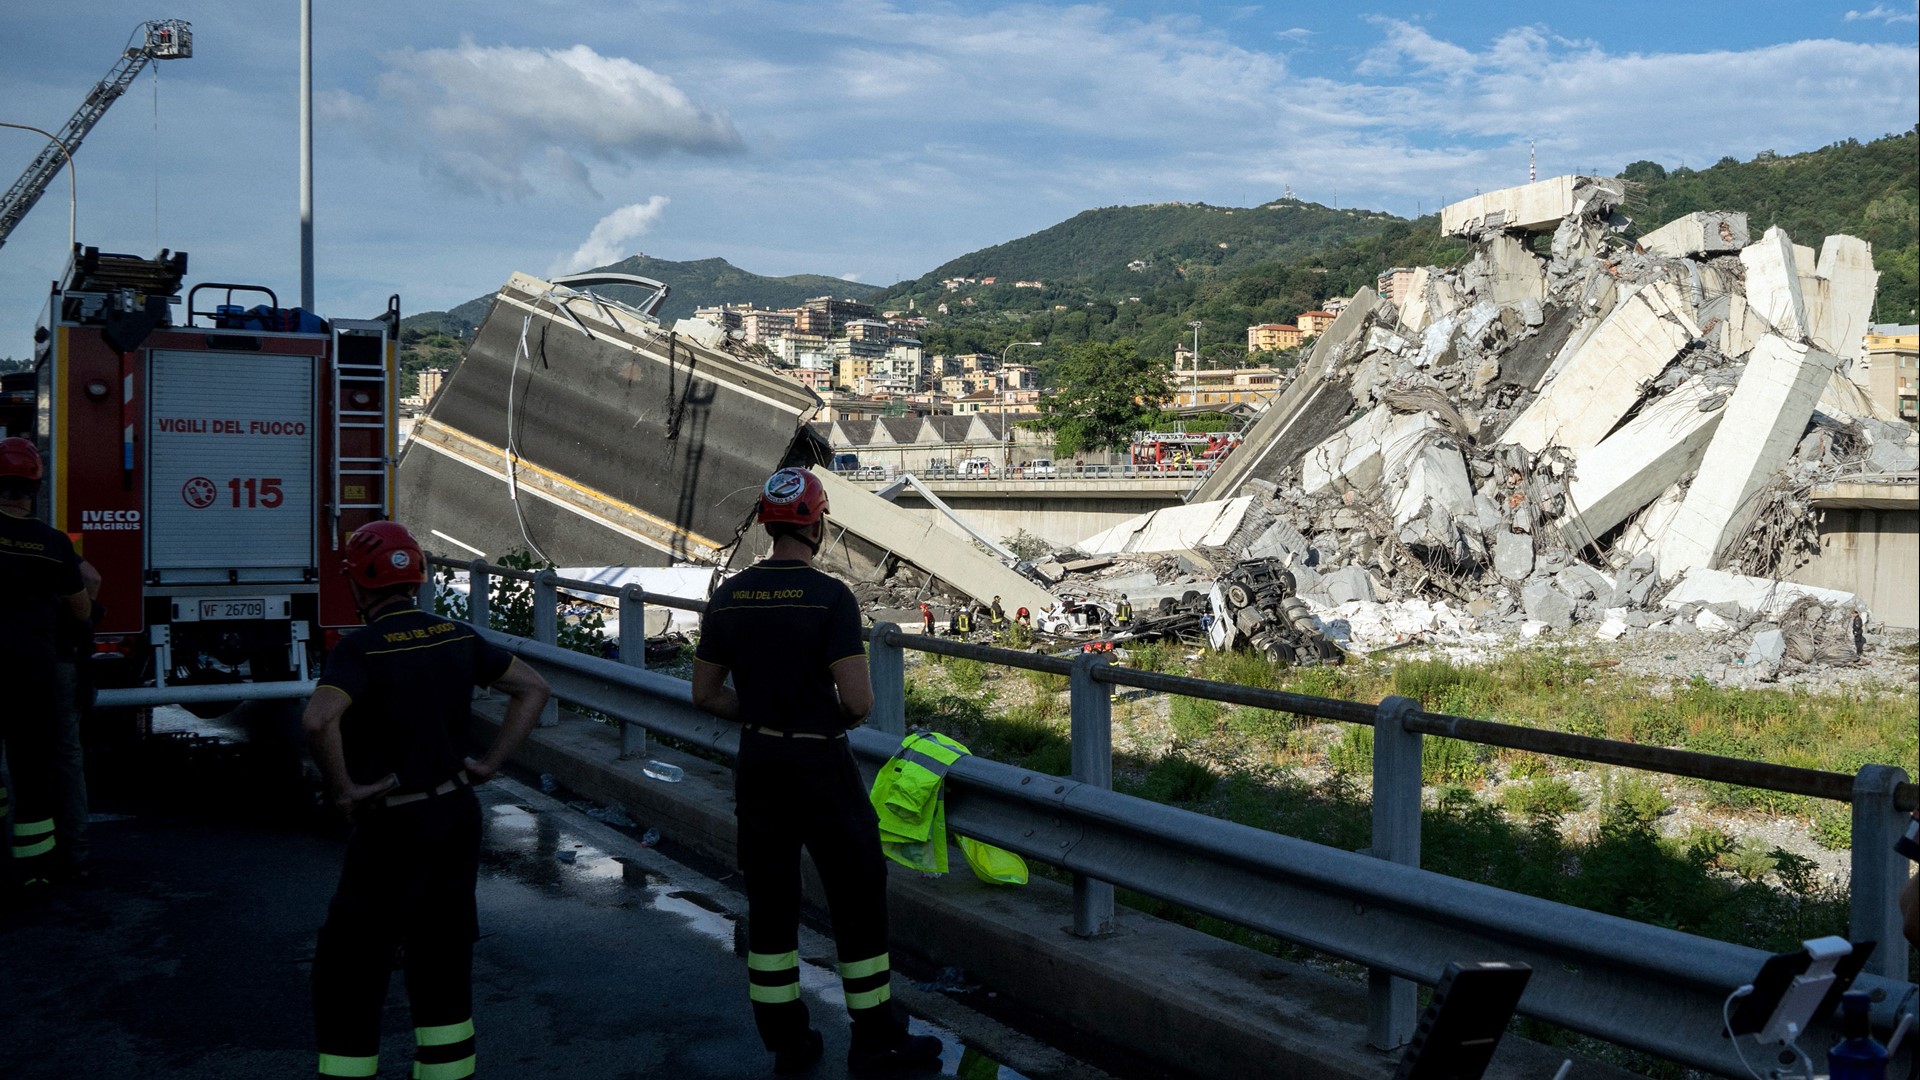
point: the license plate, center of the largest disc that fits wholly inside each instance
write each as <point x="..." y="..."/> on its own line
<point x="233" y="609"/>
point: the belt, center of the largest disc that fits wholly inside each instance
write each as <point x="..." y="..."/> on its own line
<point x="778" y="734"/>
<point x="459" y="780"/>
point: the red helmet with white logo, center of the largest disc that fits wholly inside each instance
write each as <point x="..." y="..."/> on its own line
<point x="792" y="497"/>
<point x="18" y="459"/>
<point x="381" y="554"/>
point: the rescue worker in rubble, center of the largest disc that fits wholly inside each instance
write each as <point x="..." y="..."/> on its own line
<point x="996" y="615"/>
<point x="961" y="624"/>
<point x="388" y="730"/>
<point x="1123" y="611"/>
<point x="40" y="587"/>
<point x="796" y="784"/>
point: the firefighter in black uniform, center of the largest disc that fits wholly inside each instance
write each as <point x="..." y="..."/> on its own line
<point x="790" y="635"/>
<point x="40" y="589"/>
<point x="387" y="726"/>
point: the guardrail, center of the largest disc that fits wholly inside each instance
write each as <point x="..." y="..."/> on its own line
<point x="1634" y="984"/>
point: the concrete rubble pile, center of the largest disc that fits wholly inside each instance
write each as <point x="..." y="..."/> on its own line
<point x="1561" y="431"/>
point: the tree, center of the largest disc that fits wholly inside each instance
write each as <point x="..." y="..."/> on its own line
<point x="1101" y="393"/>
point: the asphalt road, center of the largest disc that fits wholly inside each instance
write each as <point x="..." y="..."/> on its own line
<point x="188" y="956"/>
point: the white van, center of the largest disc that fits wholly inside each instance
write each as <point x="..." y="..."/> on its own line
<point x="977" y="468"/>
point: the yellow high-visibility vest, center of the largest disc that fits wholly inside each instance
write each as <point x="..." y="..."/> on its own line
<point x="909" y="795"/>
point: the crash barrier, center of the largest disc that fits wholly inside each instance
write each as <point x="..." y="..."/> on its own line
<point x="1640" y="986"/>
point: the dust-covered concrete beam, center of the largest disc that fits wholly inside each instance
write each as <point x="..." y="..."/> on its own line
<point x="1538" y="207"/>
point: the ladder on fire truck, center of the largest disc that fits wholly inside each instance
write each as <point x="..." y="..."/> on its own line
<point x="165" y="39"/>
<point x="363" y="403"/>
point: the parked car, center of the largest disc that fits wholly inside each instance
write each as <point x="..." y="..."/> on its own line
<point x="978" y="468"/>
<point x="846" y="463"/>
<point x="1040" y="469"/>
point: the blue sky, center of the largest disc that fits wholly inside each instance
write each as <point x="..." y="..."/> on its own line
<point x="871" y="139"/>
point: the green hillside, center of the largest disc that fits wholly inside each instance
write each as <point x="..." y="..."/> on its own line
<point x="696" y="284"/>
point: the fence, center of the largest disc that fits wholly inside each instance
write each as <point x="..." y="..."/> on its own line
<point x="1637" y="985"/>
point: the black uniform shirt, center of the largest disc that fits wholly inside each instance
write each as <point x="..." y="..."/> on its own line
<point x="409" y="679"/>
<point x="37" y="568"/>
<point x="780" y="626"/>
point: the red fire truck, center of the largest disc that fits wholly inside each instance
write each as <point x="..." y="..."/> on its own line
<point x="210" y="455"/>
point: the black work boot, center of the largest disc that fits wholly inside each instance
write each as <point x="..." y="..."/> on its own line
<point x="799" y="1057"/>
<point x="891" y="1049"/>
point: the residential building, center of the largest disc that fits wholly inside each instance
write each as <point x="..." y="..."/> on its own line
<point x="724" y="316"/>
<point x="1312" y="323"/>
<point x="431" y="379"/>
<point x="1019" y="377"/>
<point x="829" y="316"/>
<point x="1892" y="368"/>
<point x="1393" y="284"/>
<point x="1218" y="388"/>
<point x="763" y="323"/>
<point x="958" y="386"/>
<point x="1268" y="337"/>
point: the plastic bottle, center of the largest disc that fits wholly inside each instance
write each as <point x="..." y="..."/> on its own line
<point x="1857" y="1056"/>
<point x="660" y="770"/>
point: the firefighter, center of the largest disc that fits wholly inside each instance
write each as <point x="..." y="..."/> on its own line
<point x="1123" y="611"/>
<point x="41" y="590"/>
<point x="961" y="624"/>
<point x="996" y="615"/>
<point x="790" y="636"/>
<point x="387" y="726"/>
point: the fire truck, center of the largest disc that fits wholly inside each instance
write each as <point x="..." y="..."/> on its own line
<point x="210" y="452"/>
<point x="1179" y="451"/>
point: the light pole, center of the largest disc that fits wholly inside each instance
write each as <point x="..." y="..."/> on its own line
<point x="72" y="201"/>
<point x="1193" y="398"/>
<point x="1006" y="433"/>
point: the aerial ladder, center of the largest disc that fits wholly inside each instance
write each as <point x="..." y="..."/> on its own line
<point x="163" y="39"/>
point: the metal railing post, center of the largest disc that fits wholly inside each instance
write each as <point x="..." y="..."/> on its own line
<point x="546" y="630"/>
<point x="1091" y="710"/>
<point x="633" y="653"/>
<point x="427" y="590"/>
<point x="479" y="594"/>
<point x="1392" y="1002"/>
<point x="1878" y="870"/>
<point x="887" y="667"/>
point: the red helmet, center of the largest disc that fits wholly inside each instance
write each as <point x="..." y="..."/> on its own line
<point x="792" y="497"/>
<point x="18" y="459"/>
<point x="382" y="554"/>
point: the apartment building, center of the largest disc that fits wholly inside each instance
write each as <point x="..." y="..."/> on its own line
<point x="1272" y="336"/>
<point x="1892" y="368"/>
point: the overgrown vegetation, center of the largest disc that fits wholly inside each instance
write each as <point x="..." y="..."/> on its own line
<point x="1306" y="778"/>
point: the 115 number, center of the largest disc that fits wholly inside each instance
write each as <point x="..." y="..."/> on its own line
<point x="263" y="492"/>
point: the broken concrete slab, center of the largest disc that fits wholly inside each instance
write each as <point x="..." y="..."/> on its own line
<point x="1702" y="233"/>
<point x="1760" y="596"/>
<point x="1764" y="420"/>
<point x="923" y="542"/>
<point x="1641" y="538"/>
<point x="1769" y="647"/>
<point x="1646" y="456"/>
<point x="1536" y="207"/>
<point x="1347" y="584"/>
<point x="1513" y="555"/>
<point x="1172" y="528"/>
<point x="1582" y="582"/>
<point x="1598" y="384"/>
<point x="1544" y="603"/>
<point x="1430" y="296"/>
<point x="1773" y="283"/>
<point x="1429" y="475"/>
<point x="1354" y="457"/>
<point x="1840" y="300"/>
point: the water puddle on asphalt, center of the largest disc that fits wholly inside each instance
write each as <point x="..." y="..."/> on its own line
<point x="544" y="853"/>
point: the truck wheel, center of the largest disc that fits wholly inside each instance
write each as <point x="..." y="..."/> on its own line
<point x="1238" y="596"/>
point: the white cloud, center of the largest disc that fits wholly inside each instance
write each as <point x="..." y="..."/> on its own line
<point x="1886" y="14"/>
<point x="608" y="241"/>
<point x="498" y="120"/>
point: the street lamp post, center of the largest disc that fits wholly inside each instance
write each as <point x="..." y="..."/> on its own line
<point x="73" y="201"/>
<point x="1193" y="398"/>
<point x="1006" y="433"/>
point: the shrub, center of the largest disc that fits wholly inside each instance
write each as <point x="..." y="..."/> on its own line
<point x="1193" y="718"/>
<point x="967" y="676"/>
<point x="1635" y="797"/>
<point x="1542" y="800"/>
<point x="1353" y="754"/>
<point x="1451" y="761"/>
<point x="1180" y="780"/>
